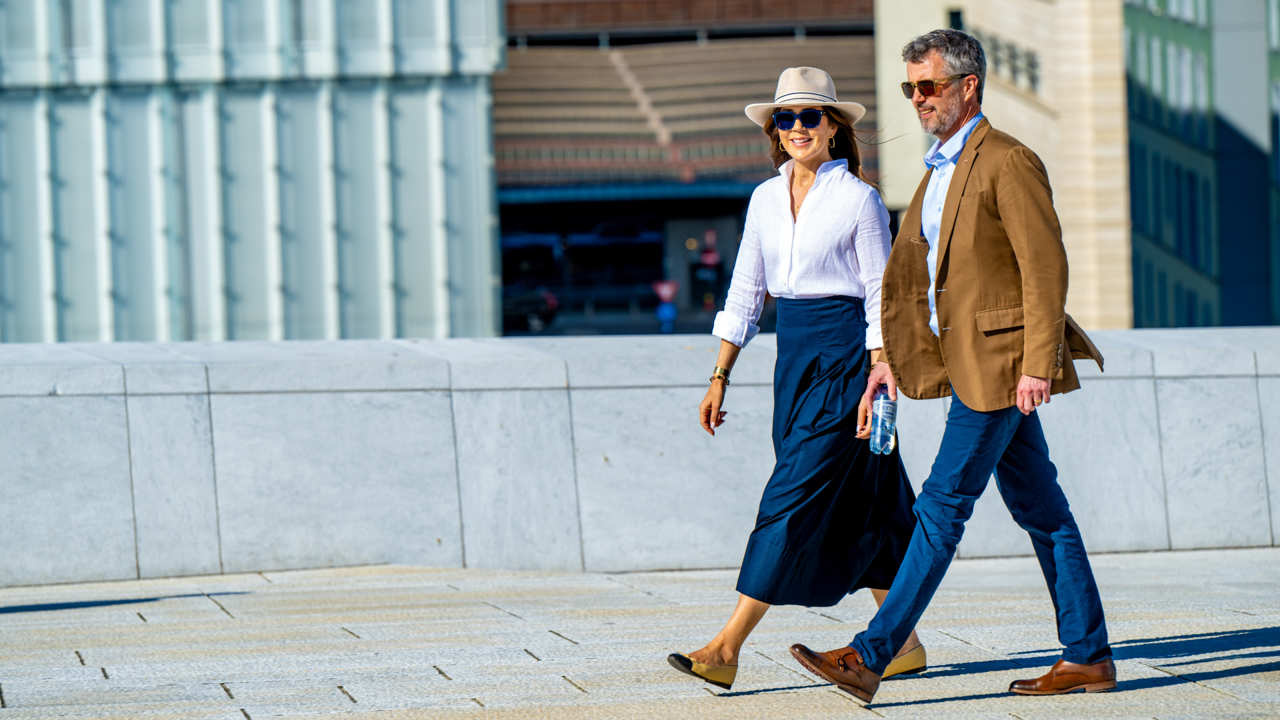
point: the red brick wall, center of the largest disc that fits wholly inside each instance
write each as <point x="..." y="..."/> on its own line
<point x="538" y="16"/>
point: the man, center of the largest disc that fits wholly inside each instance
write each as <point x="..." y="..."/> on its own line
<point x="973" y="307"/>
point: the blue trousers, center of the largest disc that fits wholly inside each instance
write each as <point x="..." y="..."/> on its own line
<point x="974" y="445"/>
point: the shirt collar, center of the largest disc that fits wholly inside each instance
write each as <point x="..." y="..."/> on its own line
<point x="786" y="168"/>
<point x="948" y="152"/>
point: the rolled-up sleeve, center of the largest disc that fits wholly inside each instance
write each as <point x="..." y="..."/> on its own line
<point x="871" y="244"/>
<point x="737" y="322"/>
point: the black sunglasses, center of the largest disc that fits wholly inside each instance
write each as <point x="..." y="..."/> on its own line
<point x="809" y="119"/>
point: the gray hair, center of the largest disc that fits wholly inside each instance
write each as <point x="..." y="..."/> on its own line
<point x="961" y="53"/>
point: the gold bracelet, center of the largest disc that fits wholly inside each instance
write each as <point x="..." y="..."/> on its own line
<point x="719" y="373"/>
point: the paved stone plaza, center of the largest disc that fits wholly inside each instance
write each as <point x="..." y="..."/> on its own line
<point x="1196" y="634"/>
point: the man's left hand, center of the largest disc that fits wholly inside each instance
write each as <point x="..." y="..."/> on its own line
<point x="1032" y="391"/>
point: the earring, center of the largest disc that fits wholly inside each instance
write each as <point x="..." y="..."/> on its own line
<point x="782" y="146"/>
<point x="831" y="142"/>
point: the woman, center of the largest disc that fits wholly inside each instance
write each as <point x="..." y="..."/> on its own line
<point x="834" y="517"/>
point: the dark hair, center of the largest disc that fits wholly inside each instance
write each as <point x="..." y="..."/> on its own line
<point x="846" y="144"/>
<point x="961" y="53"/>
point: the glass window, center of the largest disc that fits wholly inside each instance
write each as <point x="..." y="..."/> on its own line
<point x="1140" y="58"/>
<point x="1193" y="241"/>
<point x="1275" y="131"/>
<point x="1157" y="86"/>
<point x="1202" y="96"/>
<point x="1162" y="301"/>
<point x="1138" y="186"/>
<point x="1178" y="186"/>
<point x="1207" y="234"/>
<point x="1187" y="99"/>
<point x="1150" y="292"/>
<point x="1273" y="23"/>
<point x="1157" y="197"/>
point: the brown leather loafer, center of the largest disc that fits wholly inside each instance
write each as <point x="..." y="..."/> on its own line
<point x="1065" y="677"/>
<point x="843" y="667"/>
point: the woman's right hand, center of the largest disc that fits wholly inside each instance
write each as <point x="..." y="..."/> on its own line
<point x="709" y="412"/>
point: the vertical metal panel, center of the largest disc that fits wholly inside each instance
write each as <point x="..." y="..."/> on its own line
<point x="307" y="267"/>
<point x="478" y="36"/>
<point x="26" y="249"/>
<point x="78" y="42"/>
<point x="81" y="253"/>
<point x="317" y="44"/>
<point x="135" y="36"/>
<point x="173" y="218"/>
<point x="194" y="39"/>
<point x="211" y="169"/>
<point x="24" y="52"/>
<point x="251" y="35"/>
<point x="137" y="249"/>
<point x="363" y="212"/>
<point x="417" y="194"/>
<point x="422" y="37"/>
<point x="252" y="253"/>
<point x="470" y="206"/>
<point x="364" y="45"/>
<point x="203" y="200"/>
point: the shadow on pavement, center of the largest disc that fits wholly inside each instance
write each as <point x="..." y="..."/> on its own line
<point x="1203" y="647"/>
<point x="48" y="607"/>
<point x="761" y="691"/>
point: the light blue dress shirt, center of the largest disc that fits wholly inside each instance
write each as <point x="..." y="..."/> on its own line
<point x="942" y="157"/>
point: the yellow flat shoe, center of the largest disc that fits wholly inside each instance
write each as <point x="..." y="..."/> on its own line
<point x="718" y="675"/>
<point x="909" y="663"/>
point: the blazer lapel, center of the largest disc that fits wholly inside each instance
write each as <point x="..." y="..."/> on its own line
<point x="959" y="178"/>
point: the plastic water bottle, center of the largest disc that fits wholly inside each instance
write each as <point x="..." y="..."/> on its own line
<point x="884" y="413"/>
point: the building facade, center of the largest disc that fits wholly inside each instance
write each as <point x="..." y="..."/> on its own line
<point x="247" y="169"/>
<point x="1273" y="73"/>
<point x="1203" y="151"/>
<point x="1055" y="80"/>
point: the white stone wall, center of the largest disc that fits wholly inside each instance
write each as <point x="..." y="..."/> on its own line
<point x="148" y="460"/>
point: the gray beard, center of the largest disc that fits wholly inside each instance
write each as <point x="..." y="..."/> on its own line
<point x="942" y="119"/>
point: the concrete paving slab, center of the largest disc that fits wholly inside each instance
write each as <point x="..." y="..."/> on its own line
<point x="1195" y="634"/>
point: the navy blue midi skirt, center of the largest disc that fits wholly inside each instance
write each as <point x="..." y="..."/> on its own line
<point x="834" y="516"/>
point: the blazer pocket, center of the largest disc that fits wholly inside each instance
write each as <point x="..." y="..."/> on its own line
<point x="998" y="319"/>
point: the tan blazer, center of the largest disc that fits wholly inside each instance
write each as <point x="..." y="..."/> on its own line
<point x="1002" y="284"/>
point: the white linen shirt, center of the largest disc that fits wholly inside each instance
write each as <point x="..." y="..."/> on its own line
<point x="837" y="245"/>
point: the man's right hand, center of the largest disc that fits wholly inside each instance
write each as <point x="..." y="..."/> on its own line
<point x="880" y="375"/>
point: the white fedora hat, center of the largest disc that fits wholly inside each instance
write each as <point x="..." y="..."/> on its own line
<point x="805" y="86"/>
